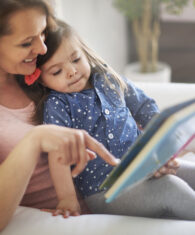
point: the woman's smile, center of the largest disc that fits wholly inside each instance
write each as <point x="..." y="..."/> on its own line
<point x="30" y="61"/>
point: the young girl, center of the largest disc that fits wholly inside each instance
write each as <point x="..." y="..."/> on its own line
<point x="87" y="94"/>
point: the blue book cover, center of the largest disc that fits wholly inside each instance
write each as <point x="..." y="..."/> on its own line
<point x="162" y="138"/>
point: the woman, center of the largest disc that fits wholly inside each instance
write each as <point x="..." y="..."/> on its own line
<point x="24" y="176"/>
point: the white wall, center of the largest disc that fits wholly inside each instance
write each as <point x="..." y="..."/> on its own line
<point x="100" y="25"/>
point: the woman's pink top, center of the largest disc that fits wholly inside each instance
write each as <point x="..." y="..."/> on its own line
<point x="14" y="123"/>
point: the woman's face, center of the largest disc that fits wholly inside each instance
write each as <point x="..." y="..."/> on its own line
<point x="20" y="48"/>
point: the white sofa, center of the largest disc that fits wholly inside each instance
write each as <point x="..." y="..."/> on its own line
<point x="28" y="221"/>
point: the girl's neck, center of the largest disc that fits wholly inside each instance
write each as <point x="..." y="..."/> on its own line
<point x="88" y="85"/>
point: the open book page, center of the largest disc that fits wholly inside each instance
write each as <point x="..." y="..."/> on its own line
<point x="167" y="139"/>
<point x="189" y="146"/>
<point x="141" y="141"/>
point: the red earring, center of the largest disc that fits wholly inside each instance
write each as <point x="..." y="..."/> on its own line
<point x="30" y="79"/>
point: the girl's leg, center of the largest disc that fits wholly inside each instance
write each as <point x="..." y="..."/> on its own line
<point x="186" y="171"/>
<point x="166" y="196"/>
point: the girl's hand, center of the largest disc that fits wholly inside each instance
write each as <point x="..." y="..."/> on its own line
<point x="170" y="168"/>
<point x="66" y="207"/>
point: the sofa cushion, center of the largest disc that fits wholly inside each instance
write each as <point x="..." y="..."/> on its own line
<point x="28" y="221"/>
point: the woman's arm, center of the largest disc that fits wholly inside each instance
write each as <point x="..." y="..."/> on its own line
<point x="15" y="172"/>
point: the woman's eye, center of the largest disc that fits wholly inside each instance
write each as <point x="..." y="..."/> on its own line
<point x="27" y="44"/>
<point x="76" y="60"/>
<point x="45" y="32"/>
<point x="57" y="72"/>
<point x="43" y="35"/>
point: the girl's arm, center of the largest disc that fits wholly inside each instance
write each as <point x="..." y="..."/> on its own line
<point x="65" y="190"/>
<point x="141" y="106"/>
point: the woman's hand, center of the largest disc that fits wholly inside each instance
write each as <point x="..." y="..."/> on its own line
<point x="72" y="146"/>
<point x="170" y="168"/>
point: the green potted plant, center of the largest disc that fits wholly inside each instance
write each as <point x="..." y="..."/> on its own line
<point x="144" y="16"/>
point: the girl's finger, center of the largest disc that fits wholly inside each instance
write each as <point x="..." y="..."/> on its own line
<point x="57" y="212"/>
<point x="163" y="170"/>
<point x="47" y="210"/>
<point x="66" y="213"/>
<point x="157" y="174"/>
<point x="173" y="163"/>
<point x="75" y="213"/>
<point x="172" y="171"/>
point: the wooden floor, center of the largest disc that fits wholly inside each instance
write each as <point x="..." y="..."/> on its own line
<point x="177" y="48"/>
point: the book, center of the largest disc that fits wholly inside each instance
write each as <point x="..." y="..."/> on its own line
<point x="166" y="135"/>
<point x="190" y="141"/>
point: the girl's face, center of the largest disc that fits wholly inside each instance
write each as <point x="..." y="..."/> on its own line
<point x="20" y="48"/>
<point x="68" y="69"/>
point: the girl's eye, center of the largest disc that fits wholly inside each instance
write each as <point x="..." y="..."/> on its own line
<point x="57" y="72"/>
<point x="27" y="44"/>
<point x="76" y="60"/>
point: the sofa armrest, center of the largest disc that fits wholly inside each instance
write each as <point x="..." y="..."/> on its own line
<point x="167" y="94"/>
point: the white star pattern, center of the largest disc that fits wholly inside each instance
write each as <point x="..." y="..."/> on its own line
<point x="110" y="123"/>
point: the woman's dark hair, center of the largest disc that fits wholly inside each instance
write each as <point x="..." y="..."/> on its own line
<point x="53" y="41"/>
<point x="9" y="7"/>
<point x="37" y="92"/>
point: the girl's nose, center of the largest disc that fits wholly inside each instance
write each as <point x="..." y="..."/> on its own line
<point x="71" y="71"/>
<point x="40" y="47"/>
